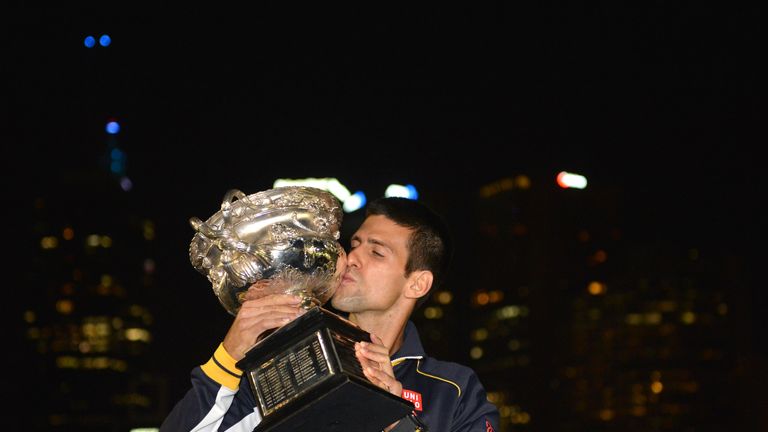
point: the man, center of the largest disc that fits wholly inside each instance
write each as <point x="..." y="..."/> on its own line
<point x="396" y="257"/>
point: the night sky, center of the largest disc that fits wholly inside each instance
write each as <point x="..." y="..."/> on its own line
<point x="657" y="98"/>
<point x="664" y="101"/>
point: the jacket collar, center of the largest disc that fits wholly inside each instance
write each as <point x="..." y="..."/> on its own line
<point x="411" y="347"/>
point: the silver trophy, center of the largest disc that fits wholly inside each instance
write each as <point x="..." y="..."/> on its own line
<point x="305" y="375"/>
<point x="283" y="240"/>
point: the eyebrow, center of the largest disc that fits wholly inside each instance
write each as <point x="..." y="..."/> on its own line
<point x="373" y="241"/>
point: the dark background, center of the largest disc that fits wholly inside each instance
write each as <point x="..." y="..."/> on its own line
<point x="658" y="98"/>
<point x="663" y="101"/>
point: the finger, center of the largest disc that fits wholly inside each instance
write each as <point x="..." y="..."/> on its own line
<point x="246" y="322"/>
<point x="249" y="319"/>
<point x="378" y="344"/>
<point x="365" y="362"/>
<point x="272" y="299"/>
<point x="365" y="357"/>
<point x="245" y="331"/>
<point x="379" y="375"/>
<point x="370" y="373"/>
<point x="383" y="380"/>
<point x="270" y="323"/>
<point x="251" y="328"/>
<point x="254" y="311"/>
<point x="250" y="332"/>
<point x="377" y="340"/>
<point x="377" y="353"/>
<point x="256" y="304"/>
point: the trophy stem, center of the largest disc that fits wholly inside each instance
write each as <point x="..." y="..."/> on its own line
<point x="308" y="302"/>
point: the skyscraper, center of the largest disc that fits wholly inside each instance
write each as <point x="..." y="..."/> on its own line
<point x="87" y="309"/>
<point x="579" y="318"/>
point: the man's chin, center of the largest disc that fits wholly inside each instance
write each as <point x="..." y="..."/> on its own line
<point x="338" y="305"/>
<point x="344" y="304"/>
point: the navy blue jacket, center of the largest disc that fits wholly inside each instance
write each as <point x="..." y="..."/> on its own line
<point x="447" y="397"/>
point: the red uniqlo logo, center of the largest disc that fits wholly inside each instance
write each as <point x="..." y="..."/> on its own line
<point x="413" y="397"/>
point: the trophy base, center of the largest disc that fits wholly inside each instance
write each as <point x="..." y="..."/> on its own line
<point x="305" y="377"/>
<point x="347" y="405"/>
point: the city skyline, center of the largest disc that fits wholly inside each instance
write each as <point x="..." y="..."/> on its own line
<point x="655" y="106"/>
<point x="532" y="227"/>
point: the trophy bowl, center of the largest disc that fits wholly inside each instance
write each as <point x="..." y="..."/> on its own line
<point x="283" y="240"/>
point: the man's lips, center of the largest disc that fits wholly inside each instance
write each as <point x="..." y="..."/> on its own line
<point x="347" y="278"/>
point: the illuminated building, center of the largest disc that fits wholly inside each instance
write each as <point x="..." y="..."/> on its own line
<point x="579" y="318"/>
<point x="87" y="313"/>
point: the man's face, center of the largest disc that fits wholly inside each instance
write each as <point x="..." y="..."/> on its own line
<point x="375" y="274"/>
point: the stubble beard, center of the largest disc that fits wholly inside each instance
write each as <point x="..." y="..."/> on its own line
<point x="349" y="303"/>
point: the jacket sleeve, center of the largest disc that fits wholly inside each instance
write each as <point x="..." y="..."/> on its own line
<point x="474" y="412"/>
<point x="213" y="402"/>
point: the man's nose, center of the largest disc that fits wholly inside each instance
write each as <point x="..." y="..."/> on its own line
<point x="352" y="258"/>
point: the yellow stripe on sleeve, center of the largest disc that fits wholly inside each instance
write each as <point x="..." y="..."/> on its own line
<point x="221" y="368"/>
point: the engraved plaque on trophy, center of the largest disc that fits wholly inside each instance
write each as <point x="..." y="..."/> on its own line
<point x="304" y="375"/>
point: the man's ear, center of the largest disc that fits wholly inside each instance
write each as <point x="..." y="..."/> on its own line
<point x="419" y="284"/>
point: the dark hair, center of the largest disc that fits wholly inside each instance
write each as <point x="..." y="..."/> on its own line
<point x="430" y="245"/>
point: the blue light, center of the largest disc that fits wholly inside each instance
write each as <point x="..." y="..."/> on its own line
<point x="105" y="40"/>
<point x="412" y="192"/>
<point x="361" y="196"/>
<point x="355" y="201"/>
<point x="89" y="41"/>
<point x="116" y="166"/>
<point x="113" y="127"/>
<point x="116" y="154"/>
<point x="397" y="190"/>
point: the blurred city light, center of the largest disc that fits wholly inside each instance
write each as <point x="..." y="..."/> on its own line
<point x="351" y="201"/>
<point x="116" y="166"/>
<point x="126" y="184"/>
<point x="354" y="202"/>
<point x="105" y="40"/>
<point x="116" y="154"/>
<point x="408" y="191"/>
<point x="568" y="180"/>
<point x="112" y="127"/>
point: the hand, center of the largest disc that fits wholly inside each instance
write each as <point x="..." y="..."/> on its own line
<point x="374" y="357"/>
<point x="256" y="317"/>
